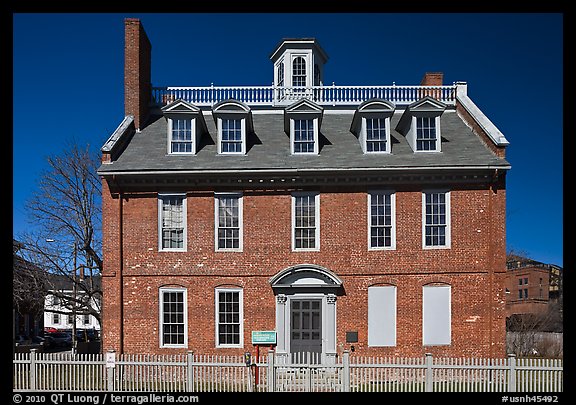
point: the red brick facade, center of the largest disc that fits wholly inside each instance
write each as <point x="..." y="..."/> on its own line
<point x="474" y="266"/>
<point x="527" y="290"/>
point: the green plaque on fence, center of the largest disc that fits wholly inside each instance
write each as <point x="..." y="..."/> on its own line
<point x="263" y="337"/>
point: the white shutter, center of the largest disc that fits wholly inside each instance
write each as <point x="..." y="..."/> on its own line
<point x="437" y="315"/>
<point x="382" y="316"/>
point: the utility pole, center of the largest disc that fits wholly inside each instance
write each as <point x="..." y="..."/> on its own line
<point x="74" y="294"/>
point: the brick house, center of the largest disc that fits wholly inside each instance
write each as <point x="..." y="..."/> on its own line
<point x="323" y="213"/>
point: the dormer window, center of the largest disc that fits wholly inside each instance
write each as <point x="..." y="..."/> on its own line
<point x="232" y="139"/>
<point x="304" y="136"/>
<point x="420" y="123"/>
<point x="186" y="125"/>
<point x="302" y="122"/>
<point x="371" y="124"/>
<point x="376" y="135"/>
<point x="233" y="120"/>
<point x="181" y="130"/>
<point x="426" y="133"/>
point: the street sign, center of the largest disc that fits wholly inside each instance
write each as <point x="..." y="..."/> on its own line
<point x="263" y="337"/>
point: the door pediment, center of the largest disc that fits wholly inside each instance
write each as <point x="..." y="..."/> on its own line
<point x="305" y="275"/>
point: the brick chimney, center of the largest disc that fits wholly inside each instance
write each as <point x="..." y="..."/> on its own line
<point x="432" y="79"/>
<point x="137" y="77"/>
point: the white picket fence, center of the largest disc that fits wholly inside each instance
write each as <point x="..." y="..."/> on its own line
<point x="208" y="373"/>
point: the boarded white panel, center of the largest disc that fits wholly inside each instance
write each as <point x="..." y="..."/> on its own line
<point x="382" y="316"/>
<point x="436" y="322"/>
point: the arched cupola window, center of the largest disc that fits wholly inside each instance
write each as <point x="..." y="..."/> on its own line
<point x="299" y="72"/>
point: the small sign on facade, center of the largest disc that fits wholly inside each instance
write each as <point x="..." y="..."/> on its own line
<point x="263" y="337"/>
<point x="110" y="359"/>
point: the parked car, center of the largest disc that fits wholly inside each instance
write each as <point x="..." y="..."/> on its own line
<point x="58" y="339"/>
<point x="86" y="335"/>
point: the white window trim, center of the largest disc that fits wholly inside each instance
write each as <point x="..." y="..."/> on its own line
<point x="240" y="221"/>
<point x="364" y="135"/>
<point x="193" y="135"/>
<point x="316" y="137"/>
<point x="242" y="134"/>
<point x="309" y="69"/>
<point x="316" y="221"/>
<point x="161" y="291"/>
<point x="448" y="244"/>
<point x="184" y="213"/>
<point x="438" y="135"/>
<point x="217" y="317"/>
<point x="392" y="194"/>
<point x="449" y="287"/>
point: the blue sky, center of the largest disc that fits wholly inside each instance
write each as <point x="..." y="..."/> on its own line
<point x="68" y="83"/>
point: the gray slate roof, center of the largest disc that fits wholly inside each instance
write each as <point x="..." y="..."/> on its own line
<point x="269" y="149"/>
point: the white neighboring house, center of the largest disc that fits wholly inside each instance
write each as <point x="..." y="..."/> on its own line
<point x="65" y="319"/>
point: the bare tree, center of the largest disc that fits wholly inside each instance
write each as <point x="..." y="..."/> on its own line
<point x="65" y="241"/>
<point x="27" y="285"/>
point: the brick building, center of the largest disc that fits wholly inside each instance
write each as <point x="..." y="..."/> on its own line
<point x="533" y="288"/>
<point x="309" y="210"/>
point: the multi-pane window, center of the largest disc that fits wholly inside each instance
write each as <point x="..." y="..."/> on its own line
<point x="304" y="141"/>
<point x="228" y="222"/>
<point x="281" y="74"/>
<point x="436" y="219"/>
<point x="280" y="81"/>
<point x="299" y="72"/>
<point x="228" y="317"/>
<point x="381" y="221"/>
<point x="426" y="133"/>
<point x="172" y="222"/>
<point x="231" y="140"/>
<point x="181" y="136"/>
<point x="56" y="319"/>
<point x="305" y="221"/>
<point x="173" y="314"/>
<point x="376" y="135"/>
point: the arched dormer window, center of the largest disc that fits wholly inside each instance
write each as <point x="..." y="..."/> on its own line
<point x="233" y="120"/>
<point x="299" y="72"/>
<point x="371" y="124"/>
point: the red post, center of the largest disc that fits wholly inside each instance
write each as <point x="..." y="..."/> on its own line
<point x="256" y="380"/>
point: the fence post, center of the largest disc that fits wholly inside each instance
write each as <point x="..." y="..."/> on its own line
<point x="511" y="373"/>
<point x="190" y="371"/>
<point x="110" y="366"/>
<point x="346" y="371"/>
<point x="33" y="353"/>
<point x="429" y="373"/>
<point x="270" y="377"/>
